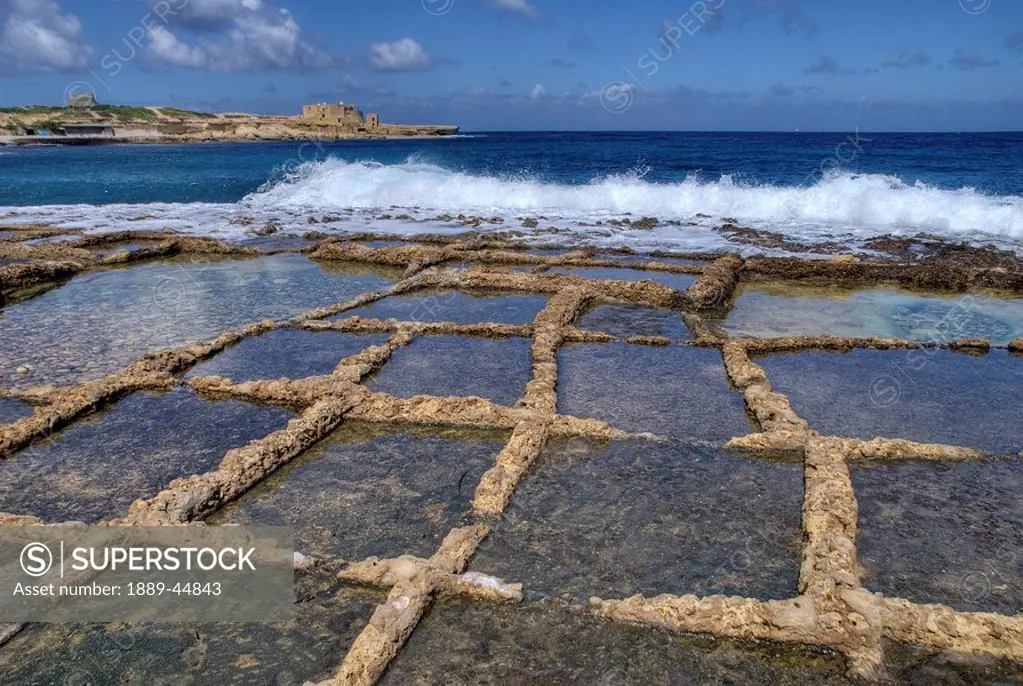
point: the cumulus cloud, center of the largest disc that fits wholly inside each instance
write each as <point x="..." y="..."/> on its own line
<point x="165" y="47"/>
<point x="209" y="16"/>
<point x="37" y="35"/>
<point x="235" y="35"/>
<point x="401" y="55"/>
<point x="901" y="60"/>
<point x="538" y="92"/>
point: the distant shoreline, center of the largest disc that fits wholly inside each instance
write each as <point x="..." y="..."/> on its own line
<point x="118" y="124"/>
<point x="65" y="141"/>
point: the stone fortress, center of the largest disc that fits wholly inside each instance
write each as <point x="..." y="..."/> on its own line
<point x="346" y="118"/>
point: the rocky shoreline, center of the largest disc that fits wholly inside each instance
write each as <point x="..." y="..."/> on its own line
<point x="147" y="125"/>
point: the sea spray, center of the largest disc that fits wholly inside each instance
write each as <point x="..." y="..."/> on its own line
<point x="840" y="205"/>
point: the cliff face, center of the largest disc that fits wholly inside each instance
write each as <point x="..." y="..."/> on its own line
<point x="285" y="128"/>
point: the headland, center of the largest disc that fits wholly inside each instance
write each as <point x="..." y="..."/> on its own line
<point x="89" y="123"/>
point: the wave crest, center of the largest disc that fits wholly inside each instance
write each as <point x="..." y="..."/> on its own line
<point x="858" y="204"/>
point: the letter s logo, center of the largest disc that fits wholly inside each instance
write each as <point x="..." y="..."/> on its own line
<point x="36" y="559"/>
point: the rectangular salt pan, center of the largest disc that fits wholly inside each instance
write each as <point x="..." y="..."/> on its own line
<point x="100" y="322"/>
<point x="766" y="310"/>
<point x="926" y="395"/>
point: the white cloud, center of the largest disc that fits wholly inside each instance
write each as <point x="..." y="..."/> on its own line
<point x="209" y="15"/>
<point x="523" y="7"/>
<point x="237" y="35"/>
<point x="538" y="92"/>
<point x="37" y="35"/>
<point x="165" y="47"/>
<point x="401" y="55"/>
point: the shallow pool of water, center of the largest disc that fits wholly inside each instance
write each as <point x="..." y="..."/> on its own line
<point x="310" y="648"/>
<point x="374" y="490"/>
<point x="11" y="410"/>
<point x="932" y="396"/>
<point x="634" y="320"/>
<point x="497" y="370"/>
<point x="94" y="469"/>
<point x="629" y="517"/>
<point x="460" y="642"/>
<point x="454" y="306"/>
<point x="673" y="391"/>
<point x="291" y="353"/>
<point x="766" y="310"/>
<point x="944" y="533"/>
<point x="100" y="322"/>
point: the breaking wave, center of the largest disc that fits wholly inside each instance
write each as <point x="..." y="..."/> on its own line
<point x="413" y="197"/>
<point x="860" y="204"/>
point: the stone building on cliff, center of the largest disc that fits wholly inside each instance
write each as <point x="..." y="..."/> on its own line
<point x="345" y="118"/>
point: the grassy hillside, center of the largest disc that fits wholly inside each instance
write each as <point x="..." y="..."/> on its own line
<point x="43" y="116"/>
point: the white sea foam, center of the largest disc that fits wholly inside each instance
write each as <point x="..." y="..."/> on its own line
<point x="841" y="205"/>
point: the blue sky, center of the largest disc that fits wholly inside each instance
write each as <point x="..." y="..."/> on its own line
<point x="537" y="64"/>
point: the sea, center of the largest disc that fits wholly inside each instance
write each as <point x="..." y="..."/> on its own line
<point x="841" y="187"/>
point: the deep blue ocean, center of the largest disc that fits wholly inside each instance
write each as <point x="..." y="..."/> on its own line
<point x="813" y="186"/>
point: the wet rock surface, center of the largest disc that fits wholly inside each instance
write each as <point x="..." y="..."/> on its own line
<point x="677" y="281"/>
<point x="655" y="257"/>
<point x="454" y="306"/>
<point x="926" y="395"/>
<point x="792" y="310"/>
<point x="374" y="490"/>
<point x="107" y="250"/>
<point x="630" y="517"/>
<point x="944" y="533"/>
<point x="633" y="320"/>
<point x="278" y="242"/>
<point x="290" y="353"/>
<point x="101" y="321"/>
<point x="497" y="370"/>
<point x="94" y="469"/>
<point x="542" y="643"/>
<point x="673" y="391"/>
<point x="386" y="244"/>
<point x="328" y="618"/>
